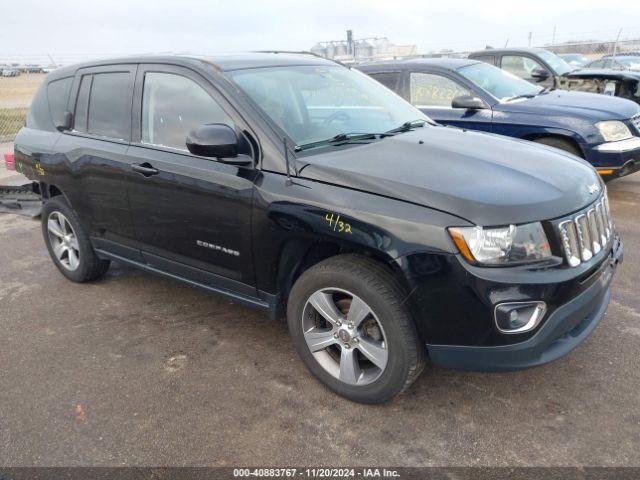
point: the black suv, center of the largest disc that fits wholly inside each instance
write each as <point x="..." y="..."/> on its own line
<point x="293" y="184"/>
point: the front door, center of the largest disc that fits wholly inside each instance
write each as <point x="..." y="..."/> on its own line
<point x="527" y="68"/>
<point x="433" y="93"/>
<point x="191" y="214"/>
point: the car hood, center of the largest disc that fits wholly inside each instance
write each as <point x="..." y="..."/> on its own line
<point x="483" y="178"/>
<point x="591" y="106"/>
<point x="607" y="73"/>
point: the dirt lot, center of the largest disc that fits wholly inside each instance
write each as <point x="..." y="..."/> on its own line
<point x="17" y="92"/>
<point x="139" y="370"/>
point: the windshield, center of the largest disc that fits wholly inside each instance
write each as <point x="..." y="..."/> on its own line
<point x="314" y="103"/>
<point x="630" y="62"/>
<point x="555" y="62"/>
<point x="499" y="83"/>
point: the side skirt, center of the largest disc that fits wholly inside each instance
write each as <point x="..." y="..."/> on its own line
<point x="269" y="303"/>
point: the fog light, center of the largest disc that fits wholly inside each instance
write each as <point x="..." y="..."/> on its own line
<point x="519" y="317"/>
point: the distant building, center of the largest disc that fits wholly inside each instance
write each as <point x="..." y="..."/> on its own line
<point x="350" y="50"/>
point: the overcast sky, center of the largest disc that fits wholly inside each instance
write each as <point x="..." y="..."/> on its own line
<point x="92" y="27"/>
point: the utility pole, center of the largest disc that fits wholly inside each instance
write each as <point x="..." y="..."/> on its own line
<point x="530" y="36"/>
<point x="553" y="38"/>
<point x="615" y="47"/>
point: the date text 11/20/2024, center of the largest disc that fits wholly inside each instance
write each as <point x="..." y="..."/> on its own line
<point x="316" y="472"/>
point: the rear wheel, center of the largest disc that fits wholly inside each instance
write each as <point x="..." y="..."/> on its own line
<point x="560" y="143"/>
<point x="68" y="243"/>
<point x="350" y="326"/>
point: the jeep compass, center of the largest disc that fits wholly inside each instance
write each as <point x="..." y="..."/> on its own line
<point x="295" y="185"/>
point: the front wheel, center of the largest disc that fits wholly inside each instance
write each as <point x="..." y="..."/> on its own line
<point x="350" y="325"/>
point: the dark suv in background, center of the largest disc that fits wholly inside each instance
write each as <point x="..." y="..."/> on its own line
<point x="545" y="68"/>
<point x="294" y="185"/>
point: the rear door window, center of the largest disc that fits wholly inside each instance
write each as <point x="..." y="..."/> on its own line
<point x="110" y="105"/>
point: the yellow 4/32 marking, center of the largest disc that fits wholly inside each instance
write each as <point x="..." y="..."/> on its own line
<point x="336" y="224"/>
<point x="39" y="168"/>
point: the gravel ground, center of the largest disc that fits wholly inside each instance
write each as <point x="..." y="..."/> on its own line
<point x="139" y="370"/>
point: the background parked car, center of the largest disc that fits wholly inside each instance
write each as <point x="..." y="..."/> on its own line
<point x="466" y="93"/>
<point x="619" y="62"/>
<point x="576" y="60"/>
<point x="9" y="71"/>
<point x="547" y="69"/>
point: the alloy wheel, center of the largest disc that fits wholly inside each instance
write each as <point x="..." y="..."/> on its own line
<point x="345" y="336"/>
<point x="64" y="241"/>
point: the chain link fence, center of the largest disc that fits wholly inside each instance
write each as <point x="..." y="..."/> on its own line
<point x="592" y="50"/>
<point x="16" y="91"/>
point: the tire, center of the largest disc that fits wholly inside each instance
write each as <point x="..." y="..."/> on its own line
<point x="561" y="144"/>
<point x="349" y="282"/>
<point x="78" y="261"/>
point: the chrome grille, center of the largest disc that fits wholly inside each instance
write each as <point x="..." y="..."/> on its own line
<point x="584" y="234"/>
<point x="636" y="121"/>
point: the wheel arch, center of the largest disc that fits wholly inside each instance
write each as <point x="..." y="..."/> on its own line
<point x="50" y="190"/>
<point x="299" y="255"/>
<point x="556" y="135"/>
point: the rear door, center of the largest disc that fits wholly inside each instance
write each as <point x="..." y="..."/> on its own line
<point x="192" y="215"/>
<point x="96" y="149"/>
<point x="432" y="92"/>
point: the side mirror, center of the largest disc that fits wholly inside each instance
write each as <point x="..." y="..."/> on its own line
<point x="64" y="122"/>
<point x="468" y="102"/>
<point x="540" y="74"/>
<point x="216" y="140"/>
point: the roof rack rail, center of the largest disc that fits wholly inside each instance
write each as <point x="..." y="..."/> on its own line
<point x="302" y="52"/>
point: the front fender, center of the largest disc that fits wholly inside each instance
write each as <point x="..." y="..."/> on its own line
<point x="292" y="217"/>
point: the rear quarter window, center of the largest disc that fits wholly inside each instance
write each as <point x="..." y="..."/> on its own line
<point x="58" y="96"/>
<point x="490" y="59"/>
<point x="49" y="102"/>
<point x="391" y="80"/>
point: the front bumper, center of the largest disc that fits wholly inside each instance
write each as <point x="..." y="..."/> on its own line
<point x="631" y="166"/>
<point x="566" y="327"/>
<point x="616" y="159"/>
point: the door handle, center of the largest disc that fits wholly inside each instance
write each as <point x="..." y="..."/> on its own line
<point x="144" y="168"/>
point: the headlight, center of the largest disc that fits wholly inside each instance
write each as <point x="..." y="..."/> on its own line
<point x="502" y="246"/>
<point x="613" y="130"/>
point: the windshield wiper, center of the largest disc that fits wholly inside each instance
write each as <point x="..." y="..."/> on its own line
<point x="340" y="139"/>
<point x="345" y="138"/>
<point x="524" y="95"/>
<point x="406" y="126"/>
